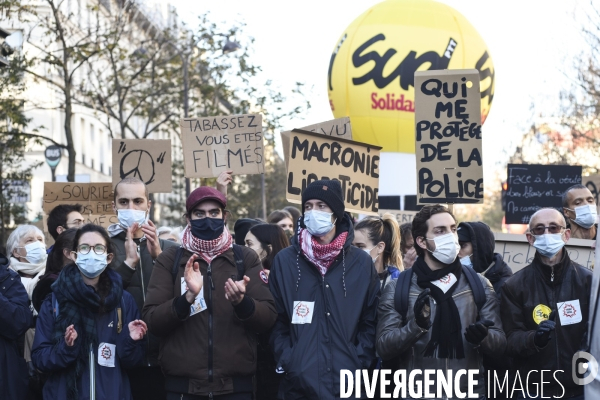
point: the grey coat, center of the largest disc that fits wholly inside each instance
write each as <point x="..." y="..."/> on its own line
<point x="409" y="341"/>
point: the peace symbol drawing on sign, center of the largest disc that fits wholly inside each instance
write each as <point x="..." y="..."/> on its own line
<point x="138" y="164"/>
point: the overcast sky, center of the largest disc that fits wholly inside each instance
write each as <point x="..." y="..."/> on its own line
<point x="533" y="44"/>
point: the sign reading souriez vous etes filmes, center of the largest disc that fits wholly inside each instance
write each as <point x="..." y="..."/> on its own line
<point x="448" y="137"/>
<point x="212" y="145"/>
<point x="355" y="165"/>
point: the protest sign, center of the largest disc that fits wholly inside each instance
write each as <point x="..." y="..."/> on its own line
<point x="535" y="186"/>
<point x="592" y="182"/>
<point x="356" y="165"/>
<point x="338" y="128"/>
<point x="146" y="159"/>
<point x="448" y="137"/>
<point x="95" y="199"/>
<point x="401" y="216"/>
<point x="215" y="144"/>
<point x="517" y="253"/>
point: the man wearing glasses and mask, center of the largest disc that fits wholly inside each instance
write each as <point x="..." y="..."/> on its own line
<point x="580" y="210"/>
<point x="545" y="309"/>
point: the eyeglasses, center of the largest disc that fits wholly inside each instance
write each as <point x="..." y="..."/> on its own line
<point x="85" y="248"/>
<point x="540" y="230"/>
<point x="76" y="223"/>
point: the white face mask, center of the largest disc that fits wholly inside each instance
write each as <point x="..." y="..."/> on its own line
<point x="36" y="252"/>
<point x="128" y="217"/>
<point x="318" y="223"/>
<point x="466" y="261"/>
<point x="91" y="264"/>
<point x="585" y="216"/>
<point x="368" y="251"/>
<point x="446" y="248"/>
<point x="548" y="245"/>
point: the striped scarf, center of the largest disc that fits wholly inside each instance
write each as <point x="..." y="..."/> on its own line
<point x="321" y="255"/>
<point x="207" y="249"/>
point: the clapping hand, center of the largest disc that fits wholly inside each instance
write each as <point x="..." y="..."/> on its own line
<point x="234" y="291"/>
<point x="137" y="329"/>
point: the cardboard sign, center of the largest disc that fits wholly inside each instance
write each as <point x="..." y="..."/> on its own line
<point x="517" y="253"/>
<point x="95" y="198"/>
<point x="215" y="144"/>
<point x="148" y="160"/>
<point x="448" y="137"/>
<point x="592" y="182"/>
<point x="534" y="186"/>
<point x="401" y="216"/>
<point x="356" y="165"/>
<point x="338" y="128"/>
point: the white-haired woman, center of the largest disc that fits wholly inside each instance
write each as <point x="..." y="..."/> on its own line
<point x="169" y="233"/>
<point x="27" y="250"/>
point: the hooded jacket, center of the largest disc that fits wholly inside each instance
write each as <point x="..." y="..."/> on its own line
<point x="485" y="261"/>
<point x="212" y="352"/>
<point x="527" y="299"/>
<point x="341" y="333"/>
<point x="136" y="281"/>
<point x="15" y="319"/>
<point x="409" y="341"/>
<point x="54" y="358"/>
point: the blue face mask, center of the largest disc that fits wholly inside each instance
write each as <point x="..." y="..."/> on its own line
<point x="466" y="261"/>
<point x="36" y="252"/>
<point x="548" y="245"/>
<point x="91" y="264"/>
<point x="318" y="223"/>
<point x="128" y="217"/>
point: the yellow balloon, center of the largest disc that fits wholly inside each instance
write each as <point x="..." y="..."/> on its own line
<point x="371" y="71"/>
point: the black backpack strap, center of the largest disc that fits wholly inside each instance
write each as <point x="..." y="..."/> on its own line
<point x="176" y="263"/>
<point x="476" y="287"/>
<point x="402" y="292"/>
<point x="238" y="257"/>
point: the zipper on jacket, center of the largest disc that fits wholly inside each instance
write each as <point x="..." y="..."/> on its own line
<point x="141" y="266"/>
<point x="210" y="326"/>
<point x="552" y="273"/>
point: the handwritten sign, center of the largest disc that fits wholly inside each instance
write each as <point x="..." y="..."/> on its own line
<point x="448" y="137"/>
<point x="216" y="144"/>
<point x="148" y="160"/>
<point x="592" y="182"/>
<point x="356" y="165"/>
<point x="534" y="186"/>
<point x="517" y="253"/>
<point x="95" y="198"/>
<point x="401" y="216"/>
<point x="337" y="128"/>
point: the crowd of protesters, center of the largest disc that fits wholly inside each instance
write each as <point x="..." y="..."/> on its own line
<point x="277" y="308"/>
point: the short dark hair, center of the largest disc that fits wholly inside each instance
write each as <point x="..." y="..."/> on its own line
<point x="419" y="223"/>
<point x="405" y="230"/>
<point x="565" y="202"/>
<point x="268" y="234"/>
<point x="58" y="217"/>
<point x="56" y="259"/>
<point x="93" y="228"/>
<point x="130" y="181"/>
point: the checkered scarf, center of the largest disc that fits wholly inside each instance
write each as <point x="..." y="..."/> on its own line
<point x="321" y="255"/>
<point x="207" y="249"/>
<point x="77" y="305"/>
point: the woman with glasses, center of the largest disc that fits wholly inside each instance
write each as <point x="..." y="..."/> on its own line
<point x="89" y="330"/>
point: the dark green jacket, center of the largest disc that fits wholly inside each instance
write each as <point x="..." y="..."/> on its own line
<point x="136" y="281"/>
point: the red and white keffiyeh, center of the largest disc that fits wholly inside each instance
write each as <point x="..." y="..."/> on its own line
<point x="207" y="249"/>
<point x="321" y="255"/>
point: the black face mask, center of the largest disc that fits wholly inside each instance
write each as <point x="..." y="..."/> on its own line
<point x="207" y="228"/>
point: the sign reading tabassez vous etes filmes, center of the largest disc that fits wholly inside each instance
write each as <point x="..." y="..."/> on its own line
<point x="355" y="165"/>
<point x="448" y="137"/>
<point x="215" y="144"/>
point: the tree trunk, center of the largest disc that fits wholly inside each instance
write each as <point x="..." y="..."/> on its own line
<point x="69" y="133"/>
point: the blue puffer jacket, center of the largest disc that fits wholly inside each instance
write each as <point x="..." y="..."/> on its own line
<point x="15" y="319"/>
<point x="341" y="334"/>
<point x="111" y="382"/>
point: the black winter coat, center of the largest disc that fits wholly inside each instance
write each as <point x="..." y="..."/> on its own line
<point x="15" y="319"/>
<point x="527" y="299"/>
<point x="341" y="334"/>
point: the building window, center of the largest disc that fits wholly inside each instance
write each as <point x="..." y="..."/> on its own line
<point x="83" y="158"/>
<point x="102" y="167"/>
<point x="92" y="163"/>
